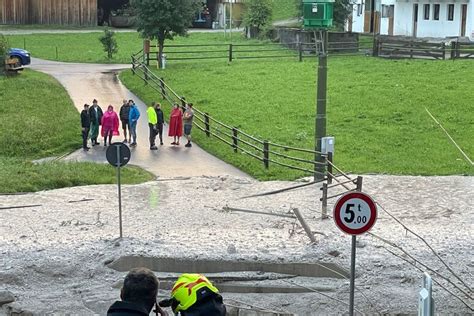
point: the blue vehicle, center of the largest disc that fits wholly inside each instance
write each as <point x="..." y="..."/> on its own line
<point x="17" y="59"/>
<point x="21" y="54"/>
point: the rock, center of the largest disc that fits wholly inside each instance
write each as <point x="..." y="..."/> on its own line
<point x="334" y="253"/>
<point x="360" y="244"/>
<point x="6" y="297"/>
<point x="231" y="249"/>
<point x="15" y="309"/>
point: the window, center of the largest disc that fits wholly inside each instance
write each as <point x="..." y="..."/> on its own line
<point x="450" y="12"/>
<point x="436" y="12"/>
<point x="358" y="9"/>
<point x="426" y="11"/>
<point x="385" y="11"/>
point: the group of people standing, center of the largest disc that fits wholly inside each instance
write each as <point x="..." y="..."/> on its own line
<point x="92" y="118"/>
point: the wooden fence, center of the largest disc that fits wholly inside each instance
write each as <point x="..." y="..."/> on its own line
<point x="232" y="52"/>
<point x="267" y="152"/>
<point x="60" y="12"/>
<point x="395" y="48"/>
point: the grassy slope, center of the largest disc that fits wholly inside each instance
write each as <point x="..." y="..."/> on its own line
<point x="375" y="110"/>
<point x="39" y="120"/>
<point x="284" y="9"/>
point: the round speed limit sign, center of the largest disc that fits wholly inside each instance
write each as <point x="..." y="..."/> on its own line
<point x="355" y="213"/>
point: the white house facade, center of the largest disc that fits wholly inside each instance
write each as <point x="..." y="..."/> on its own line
<point x="424" y="18"/>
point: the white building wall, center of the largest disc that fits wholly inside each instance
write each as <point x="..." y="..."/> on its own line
<point x="357" y="17"/>
<point x="442" y="27"/>
<point x="470" y="20"/>
<point x="403" y="16"/>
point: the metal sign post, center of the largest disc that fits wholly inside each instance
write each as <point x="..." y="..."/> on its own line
<point x="118" y="155"/>
<point x="425" y="299"/>
<point x="354" y="213"/>
<point x="119" y="190"/>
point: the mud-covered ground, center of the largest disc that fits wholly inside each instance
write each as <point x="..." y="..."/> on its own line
<point x="52" y="256"/>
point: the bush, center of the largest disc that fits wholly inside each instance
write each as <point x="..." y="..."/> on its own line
<point x="3" y="53"/>
<point x="258" y="15"/>
<point x="109" y="42"/>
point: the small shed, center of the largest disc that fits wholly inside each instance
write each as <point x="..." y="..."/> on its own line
<point x="60" y="12"/>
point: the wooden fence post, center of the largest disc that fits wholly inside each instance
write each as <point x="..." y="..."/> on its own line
<point x="359" y="184"/>
<point x="234" y="139"/>
<point x="148" y="59"/>
<point x="324" y="208"/>
<point x="230" y="52"/>
<point x="329" y="168"/>
<point x="458" y="49"/>
<point x="183" y="104"/>
<point x="145" y="71"/>
<point x="453" y="50"/>
<point x="266" y="153"/>
<point x="163" y="89"/>
<point x="411" y="49"/>
<point x="207" y="124"/>
<point x="300" y="52"/>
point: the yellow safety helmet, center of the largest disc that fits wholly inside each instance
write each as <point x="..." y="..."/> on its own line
<point x="186" y="291"/>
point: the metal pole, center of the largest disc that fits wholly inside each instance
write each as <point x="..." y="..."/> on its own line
<point x="353" y="262"/>
<point x="230" y="22"/>
<point x="119" y="190"/>
<point x="321" y="105"/>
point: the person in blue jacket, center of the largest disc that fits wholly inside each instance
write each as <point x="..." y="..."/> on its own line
<point x="133" y="117"/>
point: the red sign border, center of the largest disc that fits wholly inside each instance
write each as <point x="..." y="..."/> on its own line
<point x="355" y="195"/>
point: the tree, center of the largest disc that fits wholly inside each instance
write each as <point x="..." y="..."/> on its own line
<point x="164" y="19"/>
<point x="257" y="15"/>
<point x="109" y="42"/>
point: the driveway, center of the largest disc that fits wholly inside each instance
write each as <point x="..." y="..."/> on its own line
<point x="85" y="82"/>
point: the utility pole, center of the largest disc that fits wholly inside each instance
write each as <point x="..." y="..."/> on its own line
<point x="321" y="99"/>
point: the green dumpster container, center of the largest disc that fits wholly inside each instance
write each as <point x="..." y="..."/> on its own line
<point x="318" y="14"/>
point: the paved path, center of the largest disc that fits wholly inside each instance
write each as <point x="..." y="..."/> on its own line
<point x="84" y="82"/>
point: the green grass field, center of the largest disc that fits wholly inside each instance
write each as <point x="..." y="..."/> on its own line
<point x="85" y="47"/>
<point x="39" y="120"/>
<point x="376" y="110"/>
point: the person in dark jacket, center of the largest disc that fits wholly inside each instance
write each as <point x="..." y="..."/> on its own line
<point x="161" y="120"/>
<point x="124" y="112"/>
<point x="86" y="125"/>
<point x="138" y="295"/>
<point x="95" y="113"/>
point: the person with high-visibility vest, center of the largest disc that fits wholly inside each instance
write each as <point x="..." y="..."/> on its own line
<point x="152" y="121"/>
<point x="194" y="295"/>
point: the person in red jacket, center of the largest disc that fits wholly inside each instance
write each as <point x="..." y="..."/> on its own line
<point x="176" y="124"/>
<point x="110" y="125"/>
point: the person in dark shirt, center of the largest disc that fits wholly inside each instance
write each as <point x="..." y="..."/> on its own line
<point x="95" y="113"/>
<point x="124" y="112"/>
<point x="161" y="120"/>
<point x="138" y="295"/>
<point x="86" y="125"/>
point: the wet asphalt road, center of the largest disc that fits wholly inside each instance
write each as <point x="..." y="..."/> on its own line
<point x="85" y="82"/>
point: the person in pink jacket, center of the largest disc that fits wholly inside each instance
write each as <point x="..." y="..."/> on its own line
<point x="110" y="125"/>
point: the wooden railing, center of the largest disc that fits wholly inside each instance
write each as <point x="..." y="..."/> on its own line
<point x="267" y="152"/>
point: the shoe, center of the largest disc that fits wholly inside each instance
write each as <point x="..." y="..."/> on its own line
<point x="86" y="148"/>
<point x="188" y="145"/>
<point x="125" y="140"/>
<point x="153" y="148"/>
<point x="173" y="143"/>
<point x="93" y="143"/>
<point x="161" y="143"/>
<point x="177" y="144"/>
<point x="105" y="144"/>
<point x="133" y="144"/>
